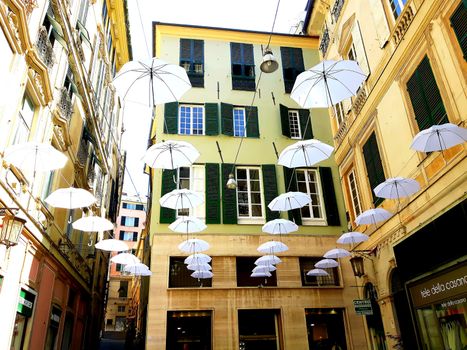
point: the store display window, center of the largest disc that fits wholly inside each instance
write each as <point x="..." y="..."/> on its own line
<point x="23" y="313"/>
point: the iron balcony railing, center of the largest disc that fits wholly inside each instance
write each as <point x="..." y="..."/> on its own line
<point x="64" y="104"/>
<point x="336" y="9"/>
<point x="323" y="46"/>
<point x="45" y="48"/>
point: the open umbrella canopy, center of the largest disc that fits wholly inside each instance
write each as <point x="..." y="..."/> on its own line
<point x="336" y="253"/>
<point x="279" y="226"/>
<point x="272" y="247"/>
<point x="141" y="273"/>
<point x="187" y="224"/>
<point x="261" y="274"/>
<point x="181" y="199"/>
<point x="112" y="245"/>
<point x="193" y="245"/>
<point x="202" y="274"/>
<point x="305" y="153"/>
<point x="439" y="137"/>
<point x="396" y="188"/>
<point x="135" y="268"/>
<point x="326" y="264"/>
<point x="70" y="198"/>
<point x="352" y="238"/>
<point x="170" y="155"/>
<point x="124" y="259"/>
<point x="317" y="272"/>
<point x="151" y="82"/>
<point x="38" y="157"/>
<point x="264" y="268"/>
<point x="372" y="216"/>
<point x="289" y="200"/>
<point x="327" y="83"/>
<point x="197" y="258"/>
<point x="268" y="260"/>
<point x="93" y="224"/>
<point x="199" y="267"/>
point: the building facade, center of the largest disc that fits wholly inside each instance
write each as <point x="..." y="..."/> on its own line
<point x="414" y="53"/>
<point x="57" y="59"/>
<point x="229" y="104"/>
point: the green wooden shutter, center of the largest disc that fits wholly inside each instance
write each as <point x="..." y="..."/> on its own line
<point x="285" y="120"/>
<point x="329" y="196"/>
<point x="374" y="167"/>
<point x="291" y="186"/>
<point x="459" y="25"/>
<point x="212" y="118"/>
<point x="227" y="119"/>
<point x="305" y="124"/>
<point x="270" y="189"/>
<point x="171" y="118"/>
<point x="252" y="127"/>
<point x="167" y="216"/>
<point x="213" y="194"/>
<point x="229" y="197"/>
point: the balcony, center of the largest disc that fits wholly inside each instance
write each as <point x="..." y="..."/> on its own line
<point x="64" y="104"/>
<point x="45" y="48"/>
<point x="323" y="46"/>
<point x="336" y="9"/>
<point x="403" y="23"/>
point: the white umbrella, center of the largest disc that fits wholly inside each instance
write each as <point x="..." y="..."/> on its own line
<point x="151" y="82"/>
<point x="193" y="245"/>
<point x="124" y="259"/>
<point x="396" y="188"/>
<point x="181" y="199"/>
<point x="35" y="156"/>
<point x="272" y="247"/>
<point x="93" y="224"/>
<point x="70" y="198"/>
<point x="264" y="268"/>
<point x="372" y="216"/>
<point x="289" y="200"/>
<point x="439" y="137"/>
<point x="197" y="258"/>
<point x="327" y="83"/>
<point x="261" y="274"/>
<point x="268" y="260"/>
<point x="170" y="155"/>
<point x="279" y="226"/>
<point x="187" y="224"/>
<point x="135" y="268"/>
<point x="305" y="153"/>
<point x="317" y="272"/>
<point x="326" y="264"/>
<point x="199" y="267"/>
<point x="336" y="253"/>
<point x="142" y="273"/>
<point x="112" y="245"/>
<point x="202" y="274"/>
<point x="352" y="238"/>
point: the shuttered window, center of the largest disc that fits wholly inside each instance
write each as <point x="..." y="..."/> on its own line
<point x="459" y="25"/>
<point x="229" y="197"/>
<point x="239" y="121"/>
<point x="249" y="196"/>
<point x="374" y="166"/>
<point x="292" y="65"/>
<point x="213" y="194"/>
<point x="192" y="59"/>
<point x="167" y="216"/>
<point x="191" y="119"/>
<point x="171" y="118"/>
<point x="296" y="123"/>
<point x="243" y="66"/>
<point x="426" y="99"/>
<point x="270" y="189"/>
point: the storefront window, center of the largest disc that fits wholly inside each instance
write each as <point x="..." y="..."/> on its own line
<point x="23" y="313"/>
<point x="259" y="329"/>
<point x="189" y="330"/>
<point x="53" y="328"/>
<point x="374" y="321"/>
<point x="325" y="329"/>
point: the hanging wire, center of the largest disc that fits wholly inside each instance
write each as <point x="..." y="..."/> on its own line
<point x="142" y="28"/>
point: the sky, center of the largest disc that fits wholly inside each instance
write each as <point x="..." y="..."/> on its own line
<point x="237" y="14"/>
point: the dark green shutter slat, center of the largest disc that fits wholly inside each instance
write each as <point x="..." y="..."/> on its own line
<point x="212" y="118"/>
<point x="213" y="191"/>
<point x="291" y="186"/>
<point x="285" y="120"/>
<point x="229" y="197"/>
<point x="329" y="196"/>
<point x="227" y="119"/>
<point x="459" y="25"/>
<point x="270" y="189"/>
<point x="252" y="127"/>
<point x="167" y="185"/>
<point x="305" y="124"/>
<point x="292" y="66"/>
<point x="171" y="118"/>
<point x="374" y="166"/>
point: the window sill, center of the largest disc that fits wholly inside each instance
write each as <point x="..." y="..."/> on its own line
<point x="251" y="221"/>
<point x="314" y="222"/>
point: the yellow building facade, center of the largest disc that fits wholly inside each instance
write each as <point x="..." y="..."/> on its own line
<point x="57" y="60"/>
<point x="414" y="53"/>
<point x="289" y="310"/>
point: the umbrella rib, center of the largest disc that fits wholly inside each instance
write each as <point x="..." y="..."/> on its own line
<point x="133" y="83"/>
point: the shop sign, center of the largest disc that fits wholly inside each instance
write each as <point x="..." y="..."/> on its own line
<point x="363" y="307"/>
<point x="25" y="303"/>
<point x="443" y="286"/>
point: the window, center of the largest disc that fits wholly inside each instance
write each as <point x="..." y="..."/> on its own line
<point x="192" y="59"/>
<point x="25" y="118"/>
<point x="426" y="99"/>
<point x="245" y="265"/>
<point x="374" y="167"/>
<point x="129" y="221"/>
<point x="356" y="49"/>
<point x="180" y="276"/>
<point x="259" y="329"/>
<point x="458" y="20"/>
<point x="397" y="6"/>
<point x="307" y="264"/>
<point x="308" y="182"/>
<point x="192" y="178"/>
<point x="132" y="206"/>
<point x="191" y="121"/>
<point x="243" y="67"/>
<point x="119" y="267"/>
<point x="120" y="308"/>
<point x="123" y="290"/>
<point x="249" y="198"/>
<point x="128" y="236"/>
<point x="326" y="329"/>
<point x="109" y="321"/>
<point x="239" y="125"/>
<point x="340" y="114"/>
<point x="352" y="182"/>
<point x="239" y="121"/>
<point x="294" y="124"/>
<point x="190" y="330"/>
<point x="292" y="65"/>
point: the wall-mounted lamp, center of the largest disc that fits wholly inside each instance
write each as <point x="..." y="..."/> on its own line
<point x="357" y="261"/>
<point x="231" y="182"/>
<point x="11" y="228"/>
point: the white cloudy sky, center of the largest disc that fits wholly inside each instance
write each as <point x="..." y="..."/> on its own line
<point x="239" y="14"/>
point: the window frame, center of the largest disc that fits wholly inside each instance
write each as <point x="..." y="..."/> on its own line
<point x="294" y="114"/>
<point x="21" y="123"/>
<point x="351" y="196"/>
<point x="193" y="282"/>
<point x="250" y="219"/>
<point x="191" y="116"/>
<point x="306" y="263"/>
<point x="242" y="275"/>
<point x="322" y="221"/>
<point x="393" y="8"/>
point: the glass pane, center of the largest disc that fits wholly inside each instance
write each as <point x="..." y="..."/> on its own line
<point x="241" y="174"/>
<point x="256" y="210"/>
<point x="254" y="186"/>
<point x="243" y="197"/>
<point x="300" y="175"/>
<point x="306" y="212"/>
<point x="256" y="198"/>
<point x="242" y="185"/>
<point x="243" y="210"/>
<point x="254" y="174"/>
